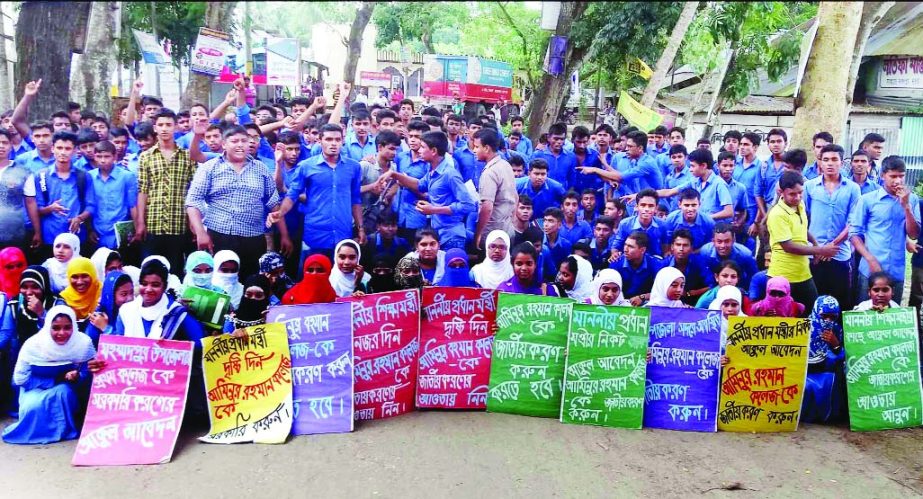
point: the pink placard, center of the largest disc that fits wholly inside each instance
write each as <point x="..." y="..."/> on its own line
<point x="136" y="403"/>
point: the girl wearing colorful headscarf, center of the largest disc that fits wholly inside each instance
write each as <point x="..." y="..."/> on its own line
<point x="12" y="264"/>
<point x="407" y="274"/>
<point x="824" y="390"/>
<point x="315" y="284"/>
<point x="226" y="277"/>
<point x="272" y="265"/>
<point x="200" y="269"/>
<point x="83" y="291"/>
<point x="65" y="247"/>
<point x="118" y="289"/>
<point x="778" y="301"/>
<point x="50" y="365"/>
<point x="456" y="273"/>
<point x="669" y="284"/>
<point x="607" y="289"/>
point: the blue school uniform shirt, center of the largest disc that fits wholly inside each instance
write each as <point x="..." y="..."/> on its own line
<point x="446" y="188"/>
<point x="65" y="190"/>
<point x="702" y="228"/>
<point x="25" y="145"/>
<point x="524" y="147"/>
<point x="186" y="142"/>
<point x="580" y="230"/>
<point x="867" y="186"/>
<point x="562" y="167"/>
<point x="811" y="171"/>
<point x="713" y="193"/>
<point x="770" y="171"/>
<point x="675" y="180"/>
<point x="33" y="162"/>
<point x="294" y="219"/>
<point x="560" y="251"/>
<point x="698" y="273"/>
<point x="740" y="254"/>
<point x="655" y="233"/>
<point x="331" y="194"/>
<point x="740" y="201"/>
<point x="653" y="150"/>
<point x="636" y="281"/>
<point x="468" y="165"/>
<point x="749" y="176"/>
<point x="599" y="254"/>
<point x="594" y="182"/>
<point x="879" y="219"/>
<point x="829" y="212"/>
<point x="115" y="197"/>
<point x="407" y="215"/>
<point x="551" y="193"/>
<point x="356" y="151"/>
<point x="639" y="173"/>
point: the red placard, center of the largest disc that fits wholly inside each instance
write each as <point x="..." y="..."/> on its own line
<point x="456" y="338"/>
<point x="386" y="330"/>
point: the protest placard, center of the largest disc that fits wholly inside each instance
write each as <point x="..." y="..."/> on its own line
<point x="527" y="362"/>
<point x="604" y="377"/>
<point x="249" y="387"/>
<point x="320" y="339"/>
<point x="136" y="402"/>
<point x="386" y="330"/>
<point x="684" y="373"/>
<point x="763" y="383"/>
<point x="208" y="306"/>
<point x="456" y="337"/>
<point x="883" y="369"/>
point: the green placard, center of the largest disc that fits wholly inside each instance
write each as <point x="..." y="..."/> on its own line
<point x="527" y="363"/>
<point x="124" y="232"/>
<point x="883" y="369"/>
<point x="606" y="366"/>
<point x="208" y="306"/>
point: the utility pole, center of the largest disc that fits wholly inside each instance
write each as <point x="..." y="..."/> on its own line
<point x="154" y="29"/>
<point x="248" y="55"/>
<point x="6" y="90"/>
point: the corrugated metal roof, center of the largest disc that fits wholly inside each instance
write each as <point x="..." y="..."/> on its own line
<point x="900" y="32"/>
<point x="770" y="105"/>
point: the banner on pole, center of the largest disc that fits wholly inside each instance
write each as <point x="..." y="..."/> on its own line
<point x="883" y="369"/>
<point x="320" y="339"/>
<point x="644" y="118"/>
<point x="604" y="378"/>
<point x="249" y="386"/>
<point x="763" y="383"/>
<point x="137" y="402"/>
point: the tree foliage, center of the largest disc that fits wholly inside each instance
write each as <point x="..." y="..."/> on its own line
<point x="178" y="22"/>
<point x="417" y="22"/>
<point x="297" y="19"/>
<point x="762" y="36"/>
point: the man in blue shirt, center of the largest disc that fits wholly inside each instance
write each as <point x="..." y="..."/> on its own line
<point x="116" y="191"/>
<point x="65" y="198"/>
<point x="333" y="202"/>
<point x="738" y="193"/>
<point x="688" y="217"/>
<point x="288" y="149"/>
<point x="573" y="228"/>
<point x="636" y="170"/>
<point x="813" y="170"/>
<point x="678" y="174"/>
<point x="658" y="138"/>
<point x="409" y="220"/>
<point x="525" y="144"/>
<point x="769" y="174"/>
<point x="880" y="224"/>
<point x="723" y="248"/>
<point x="544" y="192"/>
<point x="466" y="161"/>
<point x="599" y="244"/>
<point x="360" y="144"/>
<point x="699" y="277"/>
<point x="561" y="164"/>
<point x="449" y="202"/>
<point x="829" y="200"/>
<point x="637" y="268"/>
<point x="643" y="221"/>
<point x="713" y="192"/>
<point x="453" y="126"/>
<point x="748" y="173"/>
<point x="858" y="172"/>
<point x="554" y="242"/>
<point x="585" y="157"/>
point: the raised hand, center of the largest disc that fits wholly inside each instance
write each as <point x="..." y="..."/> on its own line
<point x="33" y="87"/>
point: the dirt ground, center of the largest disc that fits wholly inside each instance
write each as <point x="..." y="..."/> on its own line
<point x="471" y="454"/>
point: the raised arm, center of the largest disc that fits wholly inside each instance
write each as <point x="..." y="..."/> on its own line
<point x="133" y="99"/>
<point x="337" y="112"/>
<point x="219" y="111"/>
<point x="20" y="116"/>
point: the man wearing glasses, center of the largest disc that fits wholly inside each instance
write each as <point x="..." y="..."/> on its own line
<point x="636" y="170"/>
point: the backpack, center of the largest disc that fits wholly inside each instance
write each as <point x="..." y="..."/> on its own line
<point x="81" y="187"/>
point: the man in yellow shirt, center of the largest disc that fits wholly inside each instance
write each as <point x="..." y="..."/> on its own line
<point x="789" y="241"/>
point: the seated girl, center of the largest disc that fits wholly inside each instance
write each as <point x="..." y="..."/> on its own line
<point x="226" y="277"/>
<point x="50" y="366"/>
<point x="727" y="274"/>
<point x="154" y="313"/>
<point x="575" y="278"/>
<point x="778" y="301"/>
<point x="825" y="388"/>
<point x="525" y="273"/>
<point x="607" y="289"/>
<point x="728" y="300"/>
<point x="65" y="247"/>
<point x="314" y="286"/>
<point x="83" y="291"/>
<point x="457" y="273"/>
<point x="407" y="274"/>
<point x="253" y="305"/>
<point x="200" y="270"/>
<point x="272" y="265"/>
<point x="347" y="275"/>
<point x="669" y="284"/>
<point x="881" y="292"/>
<point x="118" y="289"/>
<point x="496" y="268"/>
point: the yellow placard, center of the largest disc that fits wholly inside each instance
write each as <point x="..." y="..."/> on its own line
<point x="249" y="386"/>
<point x="763" y="383"/>
<point x="642" y="117"/>
<point x="640" y="68"/>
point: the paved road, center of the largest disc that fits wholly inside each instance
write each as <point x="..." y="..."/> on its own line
<point x="470" y="454"/>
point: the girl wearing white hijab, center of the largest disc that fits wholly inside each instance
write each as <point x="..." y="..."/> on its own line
<point x="48" y="367"/>
<point x="582" y="271"/>
<point x="610" y="277"/>
<point x="729" y="301"/>
<point x="668" y="289"/>
<point x="347" y="276"/>
<point x="496" y="268"/>
<point x="66" y="246"/>
<point x="228" y="281"/>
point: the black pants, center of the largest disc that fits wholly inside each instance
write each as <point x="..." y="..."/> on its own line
<point x="805" y="293"/>
<point x="832" y="278"/>
<point x="172" y="247"/>
<point x="249" y="249"/>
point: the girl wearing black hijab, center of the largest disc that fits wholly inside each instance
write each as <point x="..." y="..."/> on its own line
<point x="253" y="304"/>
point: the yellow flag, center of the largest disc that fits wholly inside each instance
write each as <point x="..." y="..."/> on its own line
<point x="638" y="67"/>
<point x="636" y="114"/>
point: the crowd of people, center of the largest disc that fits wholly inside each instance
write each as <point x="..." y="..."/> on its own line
<point x="106" y="223"/>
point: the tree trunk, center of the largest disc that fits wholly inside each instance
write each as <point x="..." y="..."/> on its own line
<point x="872" y="12"/>
<point x="46" y="35"/>
<point x="217" y="17"/>
<point x="354" y="43"/>
<point x="91" y="74"/>
<point x="669" y="53"/>
<point x="550" y="95"/>
<point x="823" y="97"/>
